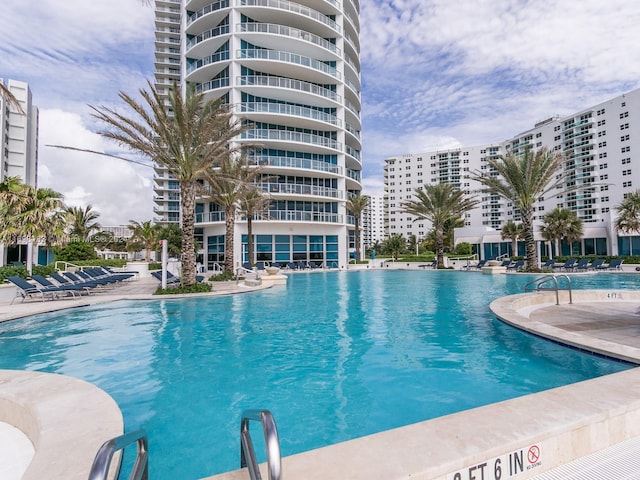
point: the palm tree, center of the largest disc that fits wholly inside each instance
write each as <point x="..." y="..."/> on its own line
<point x="394" y="245"/>
<point x="10" y="98"/>
<point x="253" y="202"/>
<point x="146" y="234"/>
<point x="512" y="231"/>
<point x="356" y="205"/>
<point x="228" y="181"/>
<point x="32" y="214"/>
<point x="187" y="137"/>
<point x="522" y="180"/>
<point x="82" y="221"/>
<point x="628" y="219"/>
<point x="439" y="203"/>
<point x="561" y="224"/>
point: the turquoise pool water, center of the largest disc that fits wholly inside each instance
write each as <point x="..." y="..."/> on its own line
<point x="333" y="355"/>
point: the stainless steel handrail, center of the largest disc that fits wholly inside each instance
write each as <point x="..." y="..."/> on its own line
<point x="537" y="285"/>
<point x="272" y="442"/>
<point x="102" y="461"/>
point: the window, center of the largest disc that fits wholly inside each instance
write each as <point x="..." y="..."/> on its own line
<point x="605" y="210"/>
<point x="605" y="199"/>
<point x="626" y="160"/>
<point x="602" y="155"/>
<point x="624" y="126"/>
<point x="625" y="149"/>
<point x="602" y="144"/>
<point x="604" y="165"/>
<point x="602" y="133"/>
<point x="600" y="112"/>
<point x="624" y="138"/>
<point x="626" y="184"/>
<point x="604" y="177"/>
<point x="601" y="122"/>
<point x="624" y="114"/>
<point x="604" y="188"/>
<point x="626" y="172"/>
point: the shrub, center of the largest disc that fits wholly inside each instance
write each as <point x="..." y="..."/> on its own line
<point x="13" y="272"/>
<point x="195" y="288"/>
<point x="155" y="266"/>
<point x="75" y="251"/>
<point x="222" y="277"/>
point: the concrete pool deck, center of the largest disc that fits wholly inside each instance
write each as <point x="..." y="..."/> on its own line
<point x="518" y="438"/>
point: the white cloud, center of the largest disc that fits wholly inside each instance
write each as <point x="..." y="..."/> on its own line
<point x="118" y="190"/>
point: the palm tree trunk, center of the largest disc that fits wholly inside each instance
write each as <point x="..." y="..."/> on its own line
<point x="230" y="213"/>
<point x="188" y="256"/>
<point x="440" y="246"/>
<point x="530" y="242"/>
<point x="514" y="247"/>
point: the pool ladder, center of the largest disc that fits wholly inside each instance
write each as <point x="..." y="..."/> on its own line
<point x="538" y="285"/>
<point x="140" y="471"/>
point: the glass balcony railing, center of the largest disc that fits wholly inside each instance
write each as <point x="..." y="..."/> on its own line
<point x="292" y="7"/>
<point x="262" y="54"/>
<point x="349" y="128"/>
<point x="216" y="57"/>
<point x="214" y="32"/>
<point x="288" y="136"/>
<point x="212" y="7"/>
<point x="352" y="107"/>
<point x="354" y="174"/>
<point x="213" y="84"/>
<point x="288" y="83"/>
<point x="289" y="32"/>
<point x="209" y="217"/>
<point x="292" y="162"/>
<point x="296" y="189"/>
<point x="294" y="110"/>
<point x="300" y="216"/>
<point x="352" y="151"/>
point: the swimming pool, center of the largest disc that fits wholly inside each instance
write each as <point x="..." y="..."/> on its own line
<point x="333" y="355"/>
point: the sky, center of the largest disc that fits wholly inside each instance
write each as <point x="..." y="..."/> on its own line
<point x="436" y="74"/>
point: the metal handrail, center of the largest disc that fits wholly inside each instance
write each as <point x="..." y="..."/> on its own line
<point x="102" y="461"/>
<point x="272" y="442"/>
<point x="537" y="285"/>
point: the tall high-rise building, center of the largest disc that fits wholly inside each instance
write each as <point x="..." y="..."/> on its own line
<point x="19" y="135"/>
<point x="292" y="70"/>
<point x="19" y="149"/>
<point x="600" y="150"/>
<point x="373" y="221"/>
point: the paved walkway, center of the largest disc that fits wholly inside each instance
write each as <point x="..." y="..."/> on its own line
<point x="139" y="289"/>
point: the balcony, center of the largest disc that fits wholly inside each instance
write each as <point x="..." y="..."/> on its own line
<point x="289" y="136"/>
<point x="288" y="84"/>
<point x="298" y="189"/>
<point x="275" y="29"/>
<point x="212" y="84"/>
<point x="294" y="8"/>
<point x="293" y="110"/>
<point x="300" y="163"/>
<point x="210" y="217"/>
<point x="300" y="216"/>
<point x="212" y="33"/>
<point x="216" y="57"/>
<point x="212" y="7"/>
<point x="287" y="57"/>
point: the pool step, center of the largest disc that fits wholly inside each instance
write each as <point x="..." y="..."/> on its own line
<point x="618" y="462"/>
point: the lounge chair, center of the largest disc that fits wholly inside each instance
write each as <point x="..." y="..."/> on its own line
<point x="172" y="280"/>
<point x="26" y="290"/>
<point x="548" y="264"/>
<point x="64" y="281"/>
<point x="260" y="266"/>
<point x="433" y="264"/>
<point x="291" y="266"/>
<point x="615" y="264"/>
<point x="479" y="265"/>
<point x="597" y="264"/>
<point x="582" y="265"/>
<point x="67" y="286"/>
<point x="83" y="281"/>
<point x="315" y="265"/>
<point x="516" y="266"/>
<point x="566" y="266"/>
<point x="506" y="263"/>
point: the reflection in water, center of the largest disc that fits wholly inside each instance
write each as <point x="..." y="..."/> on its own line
<point x="333" y="355"/>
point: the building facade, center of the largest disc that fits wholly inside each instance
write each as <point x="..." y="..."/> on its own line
<point x="292" y="70"/>
<point x="19" y="150"/>
<point x="601" y="147"/>
<point x="373" y="221"/>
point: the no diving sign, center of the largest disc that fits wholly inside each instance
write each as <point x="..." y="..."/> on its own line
<point x="507" y="466"/>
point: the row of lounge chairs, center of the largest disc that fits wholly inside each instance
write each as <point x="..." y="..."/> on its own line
<point x="299" y="265"/>
<point x="67" y="283"/>
<point x="172" y="280"/>
<point x="508" y="264"/>
<point x="584" y="264"/>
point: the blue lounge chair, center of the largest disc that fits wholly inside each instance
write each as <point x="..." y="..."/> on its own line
<point x="516" y="266"/>
<point x="26" y="290"/>
<point x="549" y="263"/>
<point x="566" y="266"/>
<point x="615" y="264"/>
<point x="582" y="265"/>
<point x="597" y="264"/>
<point x="172" y="280"/>
<point x="69" y="287"/>
<point x="433" y="264"/>
<point x="64" y="281"/>
<point x="291" y="266"/>
<point x="506" y="263"/>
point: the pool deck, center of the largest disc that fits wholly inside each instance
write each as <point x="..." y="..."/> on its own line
<point x="562" y="425"/>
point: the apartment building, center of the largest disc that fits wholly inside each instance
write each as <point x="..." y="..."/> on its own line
<point x="598" y="146"/>
<point x="19" y="149"/>
<point x="292" y="69"/>
<point x="373" y="221"/>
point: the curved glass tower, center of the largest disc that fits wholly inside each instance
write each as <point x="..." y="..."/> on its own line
<point x="293" y="70"/>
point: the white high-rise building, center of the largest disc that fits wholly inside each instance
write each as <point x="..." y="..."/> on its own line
<point x="373" y="221"/>
<point x="598" y="144"/>
<point x="292" y="69"/>
<point x="19" y="150"/>
<point x="19" y="135"/>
